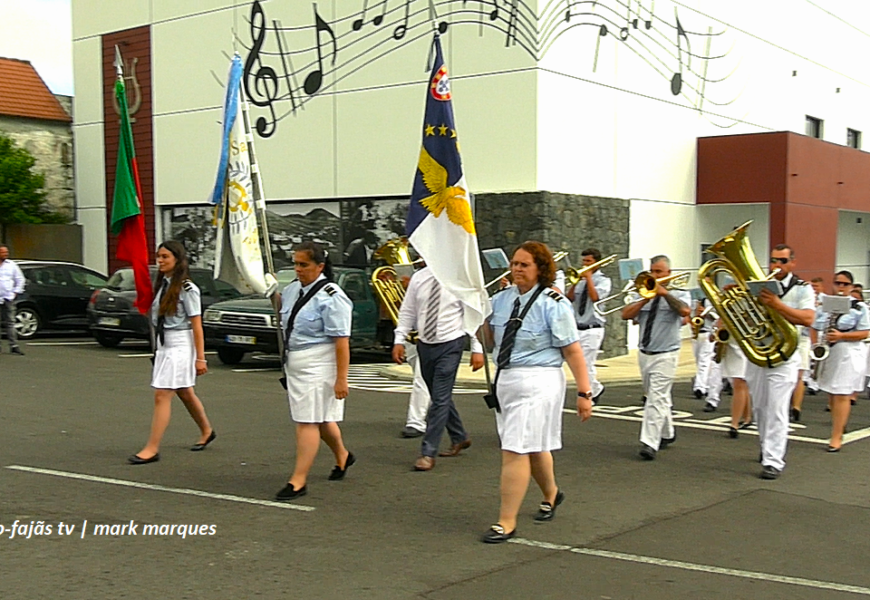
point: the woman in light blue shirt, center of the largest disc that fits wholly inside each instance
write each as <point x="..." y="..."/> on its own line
<point x="530" y="383"/>
<point x="315" y="323"/>
<point x="176" y="315"/>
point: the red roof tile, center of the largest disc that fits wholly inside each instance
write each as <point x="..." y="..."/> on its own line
<point x="23" y="93"/>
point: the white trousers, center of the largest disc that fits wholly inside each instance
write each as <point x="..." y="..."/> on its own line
<point x="657" y="372"/>
<point x="703" y="348"/>
<point x="590" y="342"/>
<point x="418" y="403"/>
<point x="771" y="391"/>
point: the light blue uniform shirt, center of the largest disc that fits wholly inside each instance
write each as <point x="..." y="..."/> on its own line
<point x="189" y="305"/>
<point x="665" y="334"/>
<point x="548" y="327"/>
<point x="588" y="316"/>
<point x="325" y="316"/>
<point x="857" y="319"/>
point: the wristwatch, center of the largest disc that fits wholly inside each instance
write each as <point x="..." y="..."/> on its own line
<point x="587" y="395"/>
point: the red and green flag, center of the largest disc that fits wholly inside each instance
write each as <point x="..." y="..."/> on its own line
<point x="128" y="220"/>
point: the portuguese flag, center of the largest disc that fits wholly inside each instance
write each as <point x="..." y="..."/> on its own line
<point x="128" y="220"/>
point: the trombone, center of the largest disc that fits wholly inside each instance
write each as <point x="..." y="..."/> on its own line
<point x="573" y="276"/>
<point x="642" y="287"/>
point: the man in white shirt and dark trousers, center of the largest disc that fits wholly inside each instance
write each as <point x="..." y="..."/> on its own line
<point x="660" y="319"/>
<point x="771" y="387"/>
<point x="436" y="314"/>
<point x="593" y="286"/>
<point x="11" y="286"/>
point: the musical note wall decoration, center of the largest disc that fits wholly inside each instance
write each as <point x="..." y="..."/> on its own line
<point x="323" y="52"/>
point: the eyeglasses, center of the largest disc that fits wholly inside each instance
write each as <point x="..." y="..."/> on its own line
<point x="842" y="283"/>
<point x="782" y="261"/>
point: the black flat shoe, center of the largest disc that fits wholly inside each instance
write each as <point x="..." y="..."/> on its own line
<point x="547" y="511"/>
<point x="289" y="493"/>
<point x="497" y="535"/>
<point x="337" y="472"/>
<point x="198" y="447"/>
<point x="832" y="449"/>
<point x="135" y="459"/>
<point x="733" y="433"/>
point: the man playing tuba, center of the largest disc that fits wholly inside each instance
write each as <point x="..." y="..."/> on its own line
<point x="771" y="387"/>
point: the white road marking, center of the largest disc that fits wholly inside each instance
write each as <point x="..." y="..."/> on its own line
<point x="84" y="343"/>
<point x="160" y="488"/>
<point x="713" y="425"/>
<point x="676" y="564"/>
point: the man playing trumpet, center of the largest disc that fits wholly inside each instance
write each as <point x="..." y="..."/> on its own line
<point x="660" y="317"/>
<point x="593" y="286"/>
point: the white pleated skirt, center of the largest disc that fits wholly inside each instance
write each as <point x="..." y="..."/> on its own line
<point x="843" y="371"/>
<point x="175" y="361"/>
<point x="311" y="374"/>
<point x="734" y="362"/>
<point x="531" y="401"/>
<point x="804" y="344"/>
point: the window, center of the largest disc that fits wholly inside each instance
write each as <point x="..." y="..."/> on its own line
<point x="853" y="138"/>
<point x="354" y="286"/>
<point x="814" y="127"/>
<point x="86" y="279"/>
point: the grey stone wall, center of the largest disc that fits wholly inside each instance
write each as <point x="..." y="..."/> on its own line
<point x="563" y="222"/>
<point x="51" y="144"/>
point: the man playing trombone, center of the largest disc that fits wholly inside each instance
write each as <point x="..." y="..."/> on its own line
<point x="660" y="316"/>
<point x="592" y="286"/>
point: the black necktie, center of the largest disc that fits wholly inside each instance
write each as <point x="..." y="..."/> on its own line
<point x="584" y="297"/>
<point x="161" y="320"/>
<point x="647" y="329"/>
<point x="509" y="337"/>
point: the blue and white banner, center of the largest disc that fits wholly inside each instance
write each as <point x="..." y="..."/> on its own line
<point x="440" y="223"/>
<point x="238" y="257"/>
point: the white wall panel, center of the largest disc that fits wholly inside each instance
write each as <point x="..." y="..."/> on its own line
<point x="90" y="159"/>
<point x="88" y="80"/>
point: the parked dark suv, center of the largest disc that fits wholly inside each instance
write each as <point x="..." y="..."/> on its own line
<point x="113" y="317"/>
<point x="55" y="296"/>
<point x="249" y="324"/>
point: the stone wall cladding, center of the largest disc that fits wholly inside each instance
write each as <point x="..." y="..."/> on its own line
<point x="563" y="222"/>
<point x="51" y="144"/>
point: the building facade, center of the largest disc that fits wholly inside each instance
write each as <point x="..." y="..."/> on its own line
<point x="581" y="123"/>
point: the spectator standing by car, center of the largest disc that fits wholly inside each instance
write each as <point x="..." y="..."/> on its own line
<point x="179" y="357"/>
<point x="315" y="322"/>
<point x="11" y="286"/>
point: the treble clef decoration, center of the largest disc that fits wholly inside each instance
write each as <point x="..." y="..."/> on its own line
<point x="264" y="90"/>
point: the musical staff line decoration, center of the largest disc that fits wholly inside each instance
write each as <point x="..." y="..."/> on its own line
<point x="326" y="52"/>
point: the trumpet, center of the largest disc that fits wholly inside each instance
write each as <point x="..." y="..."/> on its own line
<point x="721" y="337"/>
<point x="642" y="288"/>
<point x="573" y="276"/>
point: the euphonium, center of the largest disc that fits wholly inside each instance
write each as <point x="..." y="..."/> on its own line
<point x="385" y="281"/>
<point x="765" y="337"/>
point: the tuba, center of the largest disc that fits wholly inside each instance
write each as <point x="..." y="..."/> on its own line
<point x="765" y="337"/>
<point x="385" y="280"/>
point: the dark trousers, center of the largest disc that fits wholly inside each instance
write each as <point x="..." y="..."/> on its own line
<point x="438" y="365"/>
<point x="7" y="321"/>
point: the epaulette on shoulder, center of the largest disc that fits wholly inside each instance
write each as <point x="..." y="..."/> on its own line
<point x="331" y="289"/>
<point x="555" y="295"/>
<point x="188" y="285"/>
<point x="855" y="303"/>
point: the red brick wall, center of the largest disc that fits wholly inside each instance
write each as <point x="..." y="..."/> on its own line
<point x="134" y="44"/>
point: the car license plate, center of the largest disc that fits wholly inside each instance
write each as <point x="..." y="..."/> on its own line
<point x="241" y="339"/>
<point x="109" y="322"/>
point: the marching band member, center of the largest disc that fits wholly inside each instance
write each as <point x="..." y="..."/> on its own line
<point x="660" y="319"/>
<point x="534" y="333"/>
<point x="733" y="366"/>
<point x="771" y="387"/>
<point x="708" y="373"/>
<point x="180" y="350"/>
<point x="436" y="314"/>
<point x="811" y="387"/>
<point x="316" y="324"/>
<point x="842" y="373"/>
<point x="590" y="325"/>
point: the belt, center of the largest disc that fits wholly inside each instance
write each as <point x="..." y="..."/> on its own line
<point x="592" y="326"/>
<point x="653" y="353"/>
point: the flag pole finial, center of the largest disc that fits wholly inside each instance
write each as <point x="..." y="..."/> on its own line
<point x="119" y="62"/>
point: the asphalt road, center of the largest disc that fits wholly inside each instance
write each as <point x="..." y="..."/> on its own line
<point x="695" y="523"/>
